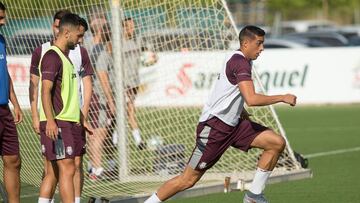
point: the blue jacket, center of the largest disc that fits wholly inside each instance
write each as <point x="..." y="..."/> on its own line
<point x="4" y="74"/>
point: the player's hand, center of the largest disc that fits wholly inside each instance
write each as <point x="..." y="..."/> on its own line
<point x="290" y="99"/>
<point x="88" y="127"/>
<point x="36" y="125"/>
<point x="51" y="129"/>
<point x="18" y="115"/>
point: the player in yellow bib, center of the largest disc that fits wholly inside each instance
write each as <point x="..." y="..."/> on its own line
<point x="60" y="105"/>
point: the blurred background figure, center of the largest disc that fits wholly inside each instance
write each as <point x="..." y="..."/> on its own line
<point x="131" y="61"/>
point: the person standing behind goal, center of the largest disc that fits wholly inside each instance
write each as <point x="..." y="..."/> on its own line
<point x="222" y="123"/>
<point x="131" y="54"/>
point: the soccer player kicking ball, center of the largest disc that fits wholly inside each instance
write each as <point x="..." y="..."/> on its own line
<point x="9" y="142"/>
<point x="222" y="123"/>
<point x="60" y="107"/>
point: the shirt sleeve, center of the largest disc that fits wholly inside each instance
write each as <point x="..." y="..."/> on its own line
<point x="35" y="60"/>
<point x="238" y="69"/>
<point x="86" y="63"/>
<point x="50" y="66"/>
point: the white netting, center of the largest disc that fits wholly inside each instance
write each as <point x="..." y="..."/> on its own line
<point x="174" y="60"/>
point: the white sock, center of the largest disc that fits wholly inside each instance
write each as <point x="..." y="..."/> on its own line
<point x="77" y="199"/>
<point x="260" y="178"/>
<point x="44" y="200"/>
<point x="52" y="200"/>
<point x="97" y="171"/>
<point x="153" y="199"/>
<point x="136" y="135"/>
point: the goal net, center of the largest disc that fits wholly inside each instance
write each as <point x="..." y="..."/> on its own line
<point x="148" y="85"/>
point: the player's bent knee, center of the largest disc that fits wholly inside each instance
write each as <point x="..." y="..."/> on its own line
<point x="189" y="182"/>
<point x="186" y="184"/>
<point x="280" y="144"/>
<point x="12" y="162"/>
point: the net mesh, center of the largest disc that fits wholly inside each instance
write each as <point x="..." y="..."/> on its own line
<point x="168" y="63"/>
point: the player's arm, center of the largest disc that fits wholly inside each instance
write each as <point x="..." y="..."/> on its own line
<point x="254" y="99"/>
<point x="14" y="101"/>
<point x="34" y="89"/>
<point x="51" y="127"/>
<point x="50" y="69"/>
<point x="87" y="82"/>
<point x="103" y="76"/>
<point x="105" y="85"/>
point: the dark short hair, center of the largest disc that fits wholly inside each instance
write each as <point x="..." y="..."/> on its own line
<point x="69" y="19"/>
<point x="250" y="31"/>
<point x="59" y="14"/>
<point x="2" y="6"/>
<point x="84" y="24"/>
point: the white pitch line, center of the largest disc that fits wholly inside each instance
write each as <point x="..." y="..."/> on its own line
<point x="340" y="151"/>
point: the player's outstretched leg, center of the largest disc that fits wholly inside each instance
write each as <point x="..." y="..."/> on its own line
<point x="273" y="145"/>
<point x="181" y="182"/>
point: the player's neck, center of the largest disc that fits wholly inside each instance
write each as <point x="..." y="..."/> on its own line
<point x="61" y="44"/>
<point x="245" y="54"/>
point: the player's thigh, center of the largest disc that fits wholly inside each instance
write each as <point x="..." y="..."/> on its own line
<point x="51" y="169"/>
<point x="268" y="139"/>
<point x="66" y="166"/>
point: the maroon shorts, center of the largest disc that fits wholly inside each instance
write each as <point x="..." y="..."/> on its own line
<point x="214" y="137"/>
<point x="64" y="147"/>
<point x="79" y="139"/>
<point x="9" y="142"/>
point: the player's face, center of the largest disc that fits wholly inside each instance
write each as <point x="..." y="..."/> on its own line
<point x="129" y="28"/>
<point x="2" y="18"/>
<point x="74" y="35"/>
<point x="255" y="47"/>
<point x="55" y="27"/>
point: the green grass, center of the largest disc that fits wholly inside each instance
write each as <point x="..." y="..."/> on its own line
<point x="310" y="129"/>
<point x="313" y="129"/>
